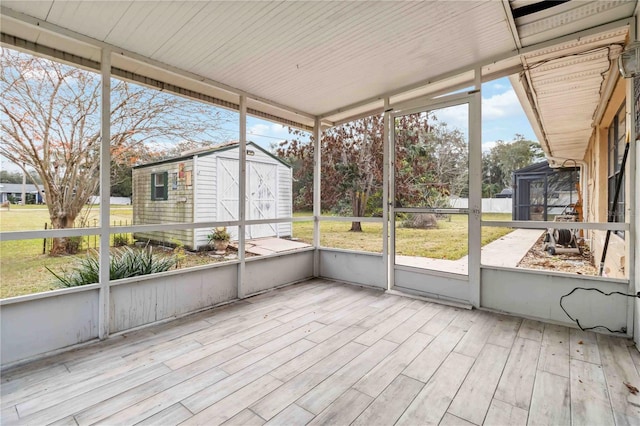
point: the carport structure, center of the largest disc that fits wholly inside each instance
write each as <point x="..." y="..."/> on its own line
<point x="313" y="65"/>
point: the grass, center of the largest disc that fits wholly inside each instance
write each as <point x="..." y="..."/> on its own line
<point x="23" y="267"/>
<point x="448" y="241"/>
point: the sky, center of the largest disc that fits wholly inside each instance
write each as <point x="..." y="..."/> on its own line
<point x="502" y="118"/>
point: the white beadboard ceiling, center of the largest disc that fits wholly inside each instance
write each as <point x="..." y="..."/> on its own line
<point x="300" y="59"/>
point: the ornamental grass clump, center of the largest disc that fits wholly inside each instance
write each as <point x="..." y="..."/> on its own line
<point x="124" y="262"/>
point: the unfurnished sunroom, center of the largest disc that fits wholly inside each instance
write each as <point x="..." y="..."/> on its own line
<point x="314" y="66"/>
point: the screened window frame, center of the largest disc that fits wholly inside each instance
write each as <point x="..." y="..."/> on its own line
<point x="615" y="149"/>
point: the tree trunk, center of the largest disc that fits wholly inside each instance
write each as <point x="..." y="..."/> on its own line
<point x="355" y="227"/>
<point x="356" y="206"/>
<point x="63" y="245"/>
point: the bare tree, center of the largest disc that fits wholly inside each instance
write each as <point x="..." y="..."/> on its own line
<point x="50" y="122"/>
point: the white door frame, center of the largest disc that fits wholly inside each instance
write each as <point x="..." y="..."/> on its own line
<point x="472" y="279"/>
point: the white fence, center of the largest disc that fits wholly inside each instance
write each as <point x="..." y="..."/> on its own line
<point x="489" y="205"/>
<point x="113" y="200"/>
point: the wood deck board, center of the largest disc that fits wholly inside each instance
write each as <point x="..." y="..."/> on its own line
<point x="322" y="352"/>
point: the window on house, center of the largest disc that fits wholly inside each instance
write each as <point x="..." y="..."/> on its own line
<point x="616" y="145"/>
<point x="159" y="190"/>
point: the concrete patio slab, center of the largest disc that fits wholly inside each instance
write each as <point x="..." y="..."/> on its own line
<point x="266" y="246"/>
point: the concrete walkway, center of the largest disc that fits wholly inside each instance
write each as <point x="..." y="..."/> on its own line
<point x="506" y="251"/>
<point x="509" y="250"/>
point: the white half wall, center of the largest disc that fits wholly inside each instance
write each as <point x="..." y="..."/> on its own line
<point x="262" y="273"/>
<point x="430" y="284"/>
<point x="145" y="300"/>
<point x="537" y="295"/>
<point x="34" y="326"/>
<point x="358" y="268"/>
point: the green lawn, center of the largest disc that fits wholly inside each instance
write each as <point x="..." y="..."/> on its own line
<point x="23" y="266"/>
<point x="448" y="241"/>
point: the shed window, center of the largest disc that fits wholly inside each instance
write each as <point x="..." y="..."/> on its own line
<point x="159" y="190"/>
<point x="616" y="145"/>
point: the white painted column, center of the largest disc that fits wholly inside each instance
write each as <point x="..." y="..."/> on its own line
<point x="385" y="192"/>
<point x="242" y="196"/>
<point x="105" y="191"/>
<point x="317" y="157"/>
<point x="475" y="189"/>
<point x="194" y="213"/>
<point x="633" y="212"/>
<point x="390" y="207"/>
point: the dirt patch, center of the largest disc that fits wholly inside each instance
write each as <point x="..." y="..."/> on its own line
<point x="576" y="263"/>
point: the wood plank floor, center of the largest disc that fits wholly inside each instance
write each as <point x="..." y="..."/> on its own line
<point x="327" y="353"/>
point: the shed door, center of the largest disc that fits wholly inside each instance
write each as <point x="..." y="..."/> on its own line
<point x="261" y="195"/>
<point x="261" y="198"/>
<point x="228" y="193"/>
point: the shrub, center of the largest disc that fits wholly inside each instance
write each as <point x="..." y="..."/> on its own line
<point x="420" y="221"/>
<point x="120" y="240"/>
<point x="124" y="262"/>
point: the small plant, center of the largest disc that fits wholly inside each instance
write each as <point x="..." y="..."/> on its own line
<point x="178" y="252"/>
<point x="219" y="238"/>
<point x="120" y="240"/>
<point x="219" y="234"/>
<point x="124" y="262"/>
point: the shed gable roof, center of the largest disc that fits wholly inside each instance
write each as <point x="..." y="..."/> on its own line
<point x="227" y="146"/>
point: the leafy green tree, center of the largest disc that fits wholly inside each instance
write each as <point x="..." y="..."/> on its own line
<point x="503" y="159"/>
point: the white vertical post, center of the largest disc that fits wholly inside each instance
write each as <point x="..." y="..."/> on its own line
<point x="242" y="196"/>
<point x="385" y="192"/>
<point x="317" y="158"/>
<point x="105" y="191"/>
<point x="194" y="213"/>
<point x="633" y="203"/>
<point x="475" y="189"/>
<point x="391" y="198"/>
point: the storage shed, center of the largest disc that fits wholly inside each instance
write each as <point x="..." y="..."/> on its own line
<point x="202" y="185"/>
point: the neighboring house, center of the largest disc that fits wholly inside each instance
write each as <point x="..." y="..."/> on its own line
<point x="203" y="186"/>
<point x="14" y="190"/>
<point x="541" y="193"/>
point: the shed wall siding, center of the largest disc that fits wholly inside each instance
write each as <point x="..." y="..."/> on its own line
<point x="178" y="208"/>
<point x="205" y="193"/>
<point x="285" y="209"/>
<point x="207" y="196"/>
